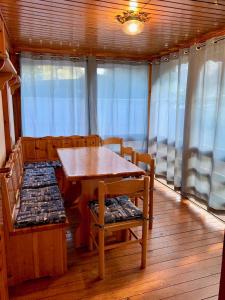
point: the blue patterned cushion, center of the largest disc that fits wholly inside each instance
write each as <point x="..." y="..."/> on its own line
<point x="43" y="164"/>
<point x="39" y="171"/>
<point x="117" y="209"/>
<point x="41" y="194"/>
<point x="41" y="177"/>
<point x="40" y="206"/>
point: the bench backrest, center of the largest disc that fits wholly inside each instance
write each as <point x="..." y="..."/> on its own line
<point x="10" y="183"/>
<point x="37" y="149"/>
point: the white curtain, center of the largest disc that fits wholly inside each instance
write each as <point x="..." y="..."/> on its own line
<point x="122" y="102"/>
<point x="169" y="81"/>
<point x="204" y="146"/>
<point x="54" y="99"/>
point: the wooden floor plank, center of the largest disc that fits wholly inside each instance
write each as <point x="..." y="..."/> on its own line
<point x="179" y="289"/>
<point x="197" y="294"/>
<point x="183" y="261"/>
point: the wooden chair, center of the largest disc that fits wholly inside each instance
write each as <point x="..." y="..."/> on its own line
<point x="147" y="159"/>
<point x="113" y="141"/>
<point x="100" y="224"/>
<point x="129" y="152"/>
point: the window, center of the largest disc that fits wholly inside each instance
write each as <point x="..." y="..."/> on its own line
<point x="122" y="102"/>
<point x="54" y="100"/>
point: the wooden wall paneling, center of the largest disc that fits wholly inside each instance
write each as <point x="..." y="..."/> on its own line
<point x="78" y="142"/>
<point x="53" y="144"/>
<point x="67" y="142"/>
<point x="41" y="148"/>
<point x="2" y="38"/>
<point x="15" y="89"/>
<point x="29" y="153"/>
<point x="17" y="114"/>
<point x="5" y="106"/>
<point x="89" y="27"/>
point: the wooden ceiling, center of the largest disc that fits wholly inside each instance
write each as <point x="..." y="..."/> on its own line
<point x="90" y="27"/>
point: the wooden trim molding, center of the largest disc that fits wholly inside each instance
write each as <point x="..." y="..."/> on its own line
<point x="7" y="70"/>
<point x="8" y="141"/>
<point x="14" y="83"/>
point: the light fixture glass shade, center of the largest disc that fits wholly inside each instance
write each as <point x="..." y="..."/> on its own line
<point x="133" y="27"/>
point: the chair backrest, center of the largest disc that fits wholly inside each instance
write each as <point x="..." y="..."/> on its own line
<point x="129" y="152"/>
<point x="113" y="141"/>
<point x="147" y="159"/>
<point x="129" y="187"/>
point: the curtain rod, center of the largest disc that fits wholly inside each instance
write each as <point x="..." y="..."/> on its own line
<point x="122" y="61"/>
<point x="51" y="55"/>
<point x="98" y="59"/>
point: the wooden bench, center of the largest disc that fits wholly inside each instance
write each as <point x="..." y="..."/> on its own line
<point x="35" y="251"/>
<point x="32" y="252"/>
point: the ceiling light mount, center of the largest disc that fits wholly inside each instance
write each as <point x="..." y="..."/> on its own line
<point x="132" y="21"/>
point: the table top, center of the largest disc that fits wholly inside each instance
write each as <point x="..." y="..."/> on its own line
<point x="95" y="162"/>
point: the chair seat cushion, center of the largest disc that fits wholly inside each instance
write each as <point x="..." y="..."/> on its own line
<point x="43" y="164"/>
<point x="39" y="206"/>
<point x="117" y="209"/>
<point x="40" y="194"/>
<point x="41" y="177"/>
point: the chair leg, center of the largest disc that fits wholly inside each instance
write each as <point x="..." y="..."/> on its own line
<point x="136" y="201"/>
<point x="150" y="210"/>
<point x="144" y="243"/>
<point x="101" y="244"/>
<point x="90" y="241"/>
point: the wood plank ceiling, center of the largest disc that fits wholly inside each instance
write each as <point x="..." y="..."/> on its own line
<point x="90" y="27"/>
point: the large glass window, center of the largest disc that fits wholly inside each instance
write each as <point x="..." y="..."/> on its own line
<point x="122" y="102"/>
<point x="54" y="100"/>
<point x="168" y="98"/>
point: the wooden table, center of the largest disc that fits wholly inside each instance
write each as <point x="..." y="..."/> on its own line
<point x="88" y="165"/>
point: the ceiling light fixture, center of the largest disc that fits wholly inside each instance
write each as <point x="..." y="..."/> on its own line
<point x="132" y="21"/>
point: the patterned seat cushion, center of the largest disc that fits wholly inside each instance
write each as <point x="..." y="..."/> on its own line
<point x="117" y="209"/>
<point x="39" y="171"/>
<point x="41" y="177"/>
<point x="40" y="206"/>
<point x="43" y="164"/>
<point x="40" y="194"/>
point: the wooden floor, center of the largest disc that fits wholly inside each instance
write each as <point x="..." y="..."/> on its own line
<point x="184" y="261"/>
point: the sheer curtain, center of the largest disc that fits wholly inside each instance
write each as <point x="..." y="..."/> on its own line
<point x="54" y="100"/>
<point x="122" y="102"/>
<point x="169" y="81"/>
<point x="204" y="146"/>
